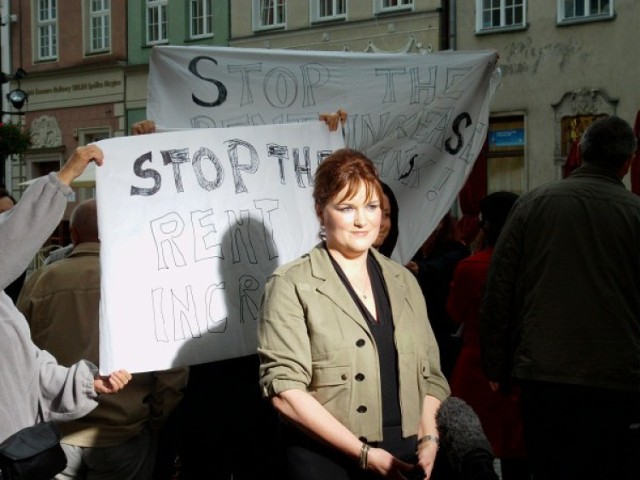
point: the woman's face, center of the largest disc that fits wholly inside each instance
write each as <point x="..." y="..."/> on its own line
<point x="5" y="204"/>
<point x="385" y="222"/>
<point x="351" y="224"/>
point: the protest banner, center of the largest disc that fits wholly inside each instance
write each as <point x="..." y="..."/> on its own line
<point x="421" y="118"/>
<point x="191" y="224"/>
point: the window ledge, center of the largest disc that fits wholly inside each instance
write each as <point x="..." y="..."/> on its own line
<point x="582" y="20"/>
<point x="329" y="20"/>
<point x="491" y="31"/>
<point x="269" y="29"/>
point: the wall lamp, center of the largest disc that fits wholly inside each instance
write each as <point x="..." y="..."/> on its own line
<point x="17" y="96"/>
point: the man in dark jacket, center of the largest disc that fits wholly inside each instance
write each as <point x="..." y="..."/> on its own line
<point x="561" y="314"/>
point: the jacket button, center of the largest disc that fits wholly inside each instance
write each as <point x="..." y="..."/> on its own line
<point x="360" y="343"/>
<point x="362" y="409"/>
<point x="360" y="377"/>
<point x="343" y="376"/>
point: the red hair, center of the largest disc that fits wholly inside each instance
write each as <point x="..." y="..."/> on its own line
<point x="345" y="168"/>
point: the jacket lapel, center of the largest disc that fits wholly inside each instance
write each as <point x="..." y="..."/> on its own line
<point x="330" y="285"/>
<point x="396" y="287"/>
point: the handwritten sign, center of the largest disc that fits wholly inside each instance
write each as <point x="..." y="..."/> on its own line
<point x="421" y="118"/>
<point x="191" y="224"/>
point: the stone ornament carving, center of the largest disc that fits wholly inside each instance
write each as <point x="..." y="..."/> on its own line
<point x="412" y="42"/>
<point x="45" y="132"/>
<point x="583" y="101"/>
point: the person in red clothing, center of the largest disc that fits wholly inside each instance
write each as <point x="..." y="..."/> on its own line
<point x="498" y="410"/>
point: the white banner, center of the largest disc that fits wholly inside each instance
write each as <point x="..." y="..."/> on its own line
<point x="421" y="118"/>
<point x="191" y="224"/>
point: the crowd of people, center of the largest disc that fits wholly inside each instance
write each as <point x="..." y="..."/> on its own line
<point x="536" y="326"/>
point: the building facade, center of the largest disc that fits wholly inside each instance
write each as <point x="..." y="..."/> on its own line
<point x="564" y="63"/>
<point x="160" y="22"/>
<point x="340" y="25"/>
<point x="73" y="55"/>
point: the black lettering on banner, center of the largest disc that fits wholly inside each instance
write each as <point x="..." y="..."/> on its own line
<point x="248" y="285"/>
<point x="390" y="90"/>
<point x="322" y="76"/>
<point x="145" y="173"/>
<point x="281" y="153"/>
<point x="456" y="131"/>
<point x="236" y="166"/>
<point x="281" y="82"/>
<point x="222" y="89"/>
<point x="175" y="157"/>
<point x="165" y="230"/>
<point x="184" y="319"/>
<point x="197" y="168"/>
<point x="300" y="169"/>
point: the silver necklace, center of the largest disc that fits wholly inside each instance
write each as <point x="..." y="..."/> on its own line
<point x="362" y="291"/>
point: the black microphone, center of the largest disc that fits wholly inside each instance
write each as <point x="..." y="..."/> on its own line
<point x="463" y="441"/>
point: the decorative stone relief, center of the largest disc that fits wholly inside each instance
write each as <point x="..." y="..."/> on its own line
<point x="583" y="101"/>
<point x="412" y="42"/>
<point x="45" y="132"/>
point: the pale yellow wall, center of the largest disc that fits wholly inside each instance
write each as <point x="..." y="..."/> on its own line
<point x="417" y="28"/>
<point x="544" y="62"/>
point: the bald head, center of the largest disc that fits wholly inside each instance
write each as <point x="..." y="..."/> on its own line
<point x="84" y="223"/>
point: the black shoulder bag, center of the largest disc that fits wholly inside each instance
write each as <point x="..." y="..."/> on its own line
<point x="33" y="453"/>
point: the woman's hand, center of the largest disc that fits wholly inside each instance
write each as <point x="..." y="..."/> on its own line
<point x="427" y="456"/>
<point x="386" y="465"/>
<point x="111" y="383"/>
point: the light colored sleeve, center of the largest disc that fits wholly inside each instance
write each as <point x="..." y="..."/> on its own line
<point x="25" y="227"/>
<point x="66" y="393"/>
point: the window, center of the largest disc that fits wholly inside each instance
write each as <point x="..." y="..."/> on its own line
<point x="322" y="10"/>
<point x="498" y="14"/>
<point x="576" y="10"/>
<point x="99" y="25"/>
<point x="505" y="157"/>
<point x="156" y="21"/>
<point x="269" y="14"/>
<point x="201" y="17"/>
<point x="47" y="30"/>
<point x="393" y="5"/>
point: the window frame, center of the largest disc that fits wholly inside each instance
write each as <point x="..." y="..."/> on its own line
<point x="162" y="26"/>
<point x="480" y="10"/>
<point x="280" y="10"/>
<point x="509" y="157"/>
<point x="104" y="17"/>
<point x="204" y="21"/>
<point x="562" y="18"/>
<point x="316" y="7"/>
<point x="385" y="6"/>
<point x="46" y="28"/>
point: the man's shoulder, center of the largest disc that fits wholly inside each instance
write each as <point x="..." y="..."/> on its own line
<point x="591" y="188"/>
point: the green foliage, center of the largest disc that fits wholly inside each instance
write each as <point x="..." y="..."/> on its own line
<point x="13" y="139"/>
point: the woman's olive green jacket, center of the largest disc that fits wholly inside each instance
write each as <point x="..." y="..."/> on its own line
<point x="312" y="337"/>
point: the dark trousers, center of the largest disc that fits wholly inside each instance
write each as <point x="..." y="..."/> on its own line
<point x="578" y="432"/>
<point x="307" y="459"/>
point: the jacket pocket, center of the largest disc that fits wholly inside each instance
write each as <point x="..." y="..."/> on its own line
<point x="331" y="386"/>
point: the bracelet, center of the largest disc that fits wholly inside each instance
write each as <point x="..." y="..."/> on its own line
<point x="429" y="438"/>
<point x="364" y="453"/>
